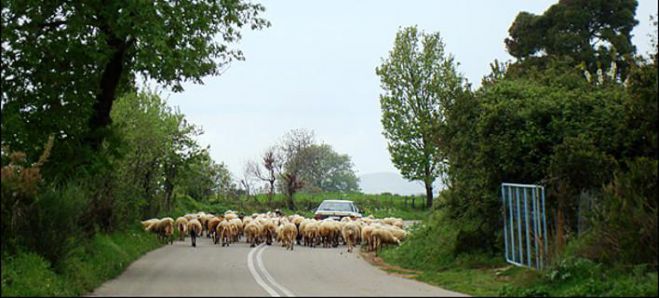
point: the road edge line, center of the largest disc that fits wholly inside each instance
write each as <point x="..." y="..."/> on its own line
<point x="259" y="262"/>
<point x="256" y="276"/>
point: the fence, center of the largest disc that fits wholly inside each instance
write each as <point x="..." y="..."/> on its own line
<point x="525" y="224"/>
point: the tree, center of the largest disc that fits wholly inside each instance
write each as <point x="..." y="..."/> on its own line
<point x="595" y="33"/>
<point x="419" y="85"/>
<point x="65" y="63"/>
<point x="292" y="144"/>
<point x="272" y="163"/>
<point x="323" y="169"/>
<point x="158" y="145"/>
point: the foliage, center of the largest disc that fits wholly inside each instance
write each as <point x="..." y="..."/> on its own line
<point x="21" y="184"/>
<point x="595" y="33"/>
<point x="159" y="152"/>
<point x="28" y="274"/>
<point x="420" y="82"/>
<point x="290" y="180"/>
<point x="632" y="238"/>
<point x="64" y="64"/>
<point x="93" y="262"/>
<point x="326" y="170"/>
<point x="298" y="163"/>
<point x="204" y="177"/>
<point x="582" y="277"/>
<point x="576" y="129"/>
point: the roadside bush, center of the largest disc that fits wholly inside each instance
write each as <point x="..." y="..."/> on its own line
<point x="54" y="228"/>
<point x="573" y="276"/>
<point x="430" y="245"/>
<point x="86" y="266"/>
<point x="625" y="221"/>
<point x="29" y="274"/>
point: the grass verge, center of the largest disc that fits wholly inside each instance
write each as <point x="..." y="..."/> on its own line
<point x="81" y="270"/>
<point x="429" y="252"/>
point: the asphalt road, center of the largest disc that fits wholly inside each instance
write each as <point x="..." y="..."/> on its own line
<point x="238" y="270"/>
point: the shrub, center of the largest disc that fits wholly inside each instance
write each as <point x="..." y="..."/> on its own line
<point x="625" y="221"/>
<point x="28" y="274"/>
<point x="54" y="228"/>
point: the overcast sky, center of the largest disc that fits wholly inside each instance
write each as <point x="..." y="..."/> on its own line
<point x="314" y="68"/>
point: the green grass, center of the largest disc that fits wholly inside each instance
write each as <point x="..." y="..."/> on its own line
<point x="81" y="271"/>
<point x="582" y="277"/>
<point x="475" y="282"/>
<point x="430" y="248"/>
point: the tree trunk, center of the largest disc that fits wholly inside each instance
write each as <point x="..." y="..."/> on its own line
<point x="170" y="175"/>
<point x="109" y="82"/>
<point x="428" y="194"/>
<point x="290" y="202"/>
<point x="272" y="191"/>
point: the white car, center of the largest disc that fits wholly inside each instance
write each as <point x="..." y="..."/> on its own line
<point x="337" y="209"/>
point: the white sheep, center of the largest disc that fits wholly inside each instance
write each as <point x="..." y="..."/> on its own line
<point x="165" y="228"/>
<point x="182" y="227"/>
<point x="288" y="234"/>
<point x="382" y="235"/>
<point x="195" y="229"/>
<point x="350" y="232"/>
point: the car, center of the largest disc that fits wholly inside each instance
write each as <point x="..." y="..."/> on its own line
<point x="337" y="209"/>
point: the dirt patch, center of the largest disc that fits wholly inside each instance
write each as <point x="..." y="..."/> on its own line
<point x="390" y="269"/>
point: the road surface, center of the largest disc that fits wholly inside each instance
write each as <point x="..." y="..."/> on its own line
<point x="238" y="270"/>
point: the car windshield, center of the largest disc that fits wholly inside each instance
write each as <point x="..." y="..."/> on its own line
<point x="336" y="206"/>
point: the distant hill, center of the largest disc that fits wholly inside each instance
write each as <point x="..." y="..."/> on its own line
<point x="376" y="183"/>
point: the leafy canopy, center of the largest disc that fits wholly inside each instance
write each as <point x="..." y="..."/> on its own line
<point x="63" y="62"/>
<point x="420" y="82"/>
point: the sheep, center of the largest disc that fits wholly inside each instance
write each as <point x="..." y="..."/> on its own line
<point x="289" y="234"/>
<point x="230" y="215"/>
<point x="381" y="235"/>
<point x="237" y="228"/>
<point x="350" y="232"/>
<point x="225" y="231"/>
<point x="204" y="222"/>
<point x="252" y="232"/>
<point x="269" y="230"/>
<point x="247" y="219"/>
<point x="297" y="220"/>
<point x="398" y="232"/>
<point x="212" y="226"/>
<point x="398" y="222"/>
<point x="329" y="232"/>
<point x="148" y="225"/>
<point x="311" y="233"/>
<point x="182" y="227"/>
<point x="165" y="229"/>
<point x="366" y="236"/>
<point x="195" y="229"/>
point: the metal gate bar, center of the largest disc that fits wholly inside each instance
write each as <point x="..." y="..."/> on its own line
<point x="528" y="247"/>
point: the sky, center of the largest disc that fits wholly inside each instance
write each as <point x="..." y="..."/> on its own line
<point x="314" y="68"/>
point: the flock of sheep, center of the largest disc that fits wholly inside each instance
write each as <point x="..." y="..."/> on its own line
<point x="287" y="230"/>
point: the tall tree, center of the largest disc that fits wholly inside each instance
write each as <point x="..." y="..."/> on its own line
<point x="159" y="145"/>
<point x="64" y="63"/>
<point x="419" y="81"/>
<point x="592" y="32"/>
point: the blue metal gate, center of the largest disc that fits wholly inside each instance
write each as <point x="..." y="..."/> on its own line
<point x="524" y="224"/>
